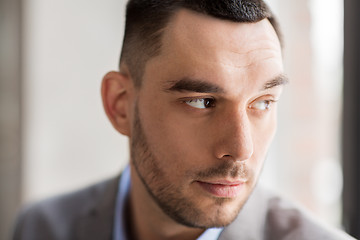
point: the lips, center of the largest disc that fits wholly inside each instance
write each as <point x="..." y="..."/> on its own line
<point x="222" y="188"/>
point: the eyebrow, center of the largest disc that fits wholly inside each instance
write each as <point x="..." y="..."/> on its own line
<point x="196" y="85"/>
<point x="277" y="81"/>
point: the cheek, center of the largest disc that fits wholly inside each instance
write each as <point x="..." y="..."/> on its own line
<point x="263" y="132"/>
<point x="264" y="126"/>
<point x="170" y="140"/>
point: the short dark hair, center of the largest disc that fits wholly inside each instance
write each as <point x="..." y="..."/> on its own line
<point x="147" y="19"/>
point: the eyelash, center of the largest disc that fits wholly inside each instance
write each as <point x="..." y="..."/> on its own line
<point x="269" y="104"/>
<point x="208" y="102"/>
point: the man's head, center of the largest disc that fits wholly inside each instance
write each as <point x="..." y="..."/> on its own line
<point x="203" y="115"/>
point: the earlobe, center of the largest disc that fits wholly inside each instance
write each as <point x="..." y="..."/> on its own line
<point x="116" y="93"/>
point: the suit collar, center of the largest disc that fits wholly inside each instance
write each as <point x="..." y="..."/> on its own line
<point x="97" y="221"/>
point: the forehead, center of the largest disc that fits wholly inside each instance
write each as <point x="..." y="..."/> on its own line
<point x="204" y="35"/>
<point x="198" y="45"/>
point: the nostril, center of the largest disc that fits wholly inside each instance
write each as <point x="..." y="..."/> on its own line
<point x="227" y="157"/>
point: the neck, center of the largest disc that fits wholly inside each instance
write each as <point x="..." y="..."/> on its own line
<point x="147" y="219"/>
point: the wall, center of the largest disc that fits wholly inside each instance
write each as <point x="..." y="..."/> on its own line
<point x="10" y="113"/>
<point x="68" y="141"/>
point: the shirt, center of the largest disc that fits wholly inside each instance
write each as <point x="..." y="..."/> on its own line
<point x="119" y="232"/>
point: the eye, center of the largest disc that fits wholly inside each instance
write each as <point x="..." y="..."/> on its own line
<point x="262" y="105"/>
<point x="201" y="103"/>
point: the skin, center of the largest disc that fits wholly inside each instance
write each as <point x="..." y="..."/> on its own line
<point x="179" y="149"/>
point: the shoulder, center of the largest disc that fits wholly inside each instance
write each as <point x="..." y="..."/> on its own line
<point x="271" y="217"/>
<point x="286" y="220"/>
<point x="57" y="217"/>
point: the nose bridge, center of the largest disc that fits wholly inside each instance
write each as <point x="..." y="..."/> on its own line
<point x="236" y="140"/>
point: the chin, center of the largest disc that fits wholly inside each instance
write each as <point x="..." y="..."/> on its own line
<point x="221" y="214"/>
<point x="215" y="221"/>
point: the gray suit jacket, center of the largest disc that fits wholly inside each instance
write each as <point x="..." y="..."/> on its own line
<point x="88" y="215"/>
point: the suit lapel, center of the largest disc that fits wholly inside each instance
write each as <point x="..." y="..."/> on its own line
<point x="97" y="222"/>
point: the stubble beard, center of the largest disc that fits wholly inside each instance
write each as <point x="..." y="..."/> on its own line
<point x="169" y="197"/>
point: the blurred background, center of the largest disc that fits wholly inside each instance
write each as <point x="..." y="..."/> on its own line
<point x="56" y="138"/>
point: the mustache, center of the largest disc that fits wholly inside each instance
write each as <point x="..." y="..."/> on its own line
<point x="227" y="169"/>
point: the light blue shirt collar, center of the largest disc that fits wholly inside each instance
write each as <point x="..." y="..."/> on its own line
<point x="119" y="232"/>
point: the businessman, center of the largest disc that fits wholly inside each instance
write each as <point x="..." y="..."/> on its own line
<point x="196" y="93"/>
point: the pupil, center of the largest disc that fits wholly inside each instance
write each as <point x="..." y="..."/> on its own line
<point x="267" y="105"/>
<point x="208" y="102"/>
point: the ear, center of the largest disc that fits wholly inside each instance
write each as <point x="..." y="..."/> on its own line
<point x="117" y="93"/>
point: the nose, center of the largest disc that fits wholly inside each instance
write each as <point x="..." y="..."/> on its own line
<point x="234" y="138"/>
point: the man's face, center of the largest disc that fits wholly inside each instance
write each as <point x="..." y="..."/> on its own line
<point x="205" y="116"/>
